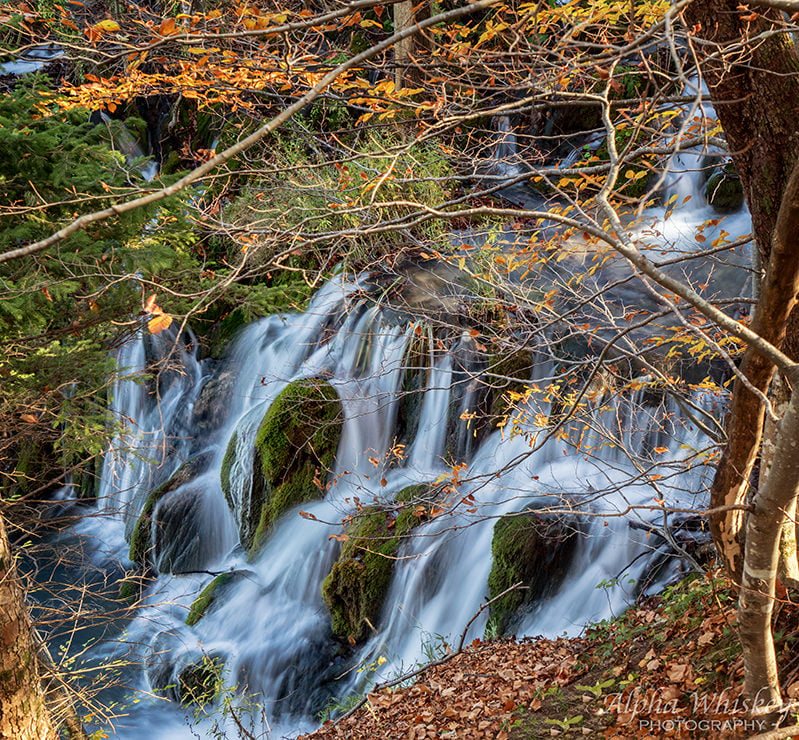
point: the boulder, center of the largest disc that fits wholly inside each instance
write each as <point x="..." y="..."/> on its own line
<point x="724" y="190"/>
<point x="177" y="532"/>
<point x="213" y="403"/>
<point x="356" y="587"/>
<point x="183" y="675"/>
<point x="529" y="548"/>
<point x="141" y="544"/>
<point x="213" y="593"/>
<point x="295" y="449"/>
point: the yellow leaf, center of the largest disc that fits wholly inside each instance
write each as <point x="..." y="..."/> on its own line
<point x="108" y="26"/>
<point x="159" y="323"/>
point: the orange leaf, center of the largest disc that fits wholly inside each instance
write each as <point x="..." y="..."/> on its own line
<point x="167" y="27"/>
<point x="30" y="418"/>
<point x="158" y="323"/>
<point x="150" y="306"/>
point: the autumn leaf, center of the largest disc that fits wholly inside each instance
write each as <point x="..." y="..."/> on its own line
<point x="107" y="26"/>
<point x="159" y="323"/>
<point x="150" y="306"/>
<point x="167" y="27"/>
<point x="30" y="418"/>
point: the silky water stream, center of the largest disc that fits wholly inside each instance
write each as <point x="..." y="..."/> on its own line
<point x="271" y="630"/>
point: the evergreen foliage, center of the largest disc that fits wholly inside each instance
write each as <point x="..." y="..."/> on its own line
<point x="62" y="311"/>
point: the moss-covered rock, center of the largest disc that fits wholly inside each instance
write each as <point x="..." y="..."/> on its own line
<point x="532" y="549"/>
<point x="200" y="682"/>
<point x="295" y="448"/>
<point x="130" y="588"/>
<point x="724" y="190"/>
<point x="356" y="587"/>
<point x="227" y="464"/>
<point x="212" y="593"/>
<point x="140" y="538"/>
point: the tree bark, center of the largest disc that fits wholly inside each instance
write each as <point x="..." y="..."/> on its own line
<point x="756" y="598"/>
<point x="23" y="713"/>
<point x="755" y="90"/>
<point x="403" y="19"/>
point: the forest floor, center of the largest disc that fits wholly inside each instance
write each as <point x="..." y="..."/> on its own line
<point x="669" y="667"/>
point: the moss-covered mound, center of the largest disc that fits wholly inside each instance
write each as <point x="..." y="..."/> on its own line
<point x="356" y="587"/>
<point x="295" y="448"/>
<point x="724" y="191"/>
<point x="528" y="548"/>
<point x="200" y="682"/>
<point x="212" y="593"/>
<point x="140" y="538"/>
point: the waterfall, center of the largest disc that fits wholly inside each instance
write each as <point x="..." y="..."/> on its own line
<point x="271" y="629"/>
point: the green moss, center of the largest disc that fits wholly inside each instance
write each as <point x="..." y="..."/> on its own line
<point x="530" y="549"/>
<point x="130" y="589"/>
<point x="356" y="587"/>
<point x="295" y="447"/>
<point x="207" y="597"/>
<point x="227" y="464"/>
<point x="724" y="190"/>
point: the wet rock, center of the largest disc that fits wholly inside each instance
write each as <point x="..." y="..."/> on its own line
<point x="724" y="190"/>
<point x="214" y="592"/>
<point x="183" y="675"/>
<point x="140" y="539"/>
<point x="213" y="404"/>
<point x="295" y="448"/>
<point x="356" y="587"/>
<point x="507" y="378"/>
<point x="200" y="682"/>
<point x="531" y="548"/>
<point x="178" y="544"/>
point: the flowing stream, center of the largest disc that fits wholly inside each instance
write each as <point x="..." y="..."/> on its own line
<point x="271" y="630"/>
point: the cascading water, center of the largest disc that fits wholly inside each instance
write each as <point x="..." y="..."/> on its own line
<point x="271" y="630"/>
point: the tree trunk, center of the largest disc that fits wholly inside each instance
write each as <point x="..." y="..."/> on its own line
<point x="755" y="91"/>
<point x="403" y="18"/>
<point x="756" y="599"/>
<point x="788" y="570"/>
<point x="23" y="713"/>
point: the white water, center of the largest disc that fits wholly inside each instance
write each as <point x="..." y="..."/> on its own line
<point x="271" y="627"/>
<point x="33" y="60"/>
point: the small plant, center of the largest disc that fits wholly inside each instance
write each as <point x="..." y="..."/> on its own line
<point x="597" y="688"/>
<point x="567" y="723"/>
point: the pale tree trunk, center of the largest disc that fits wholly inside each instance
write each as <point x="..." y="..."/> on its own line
<point x="762" y="555"/>
<point x="788" y="570"/>
<point x="23" y="712"/>
<point x="403" y="18"/>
